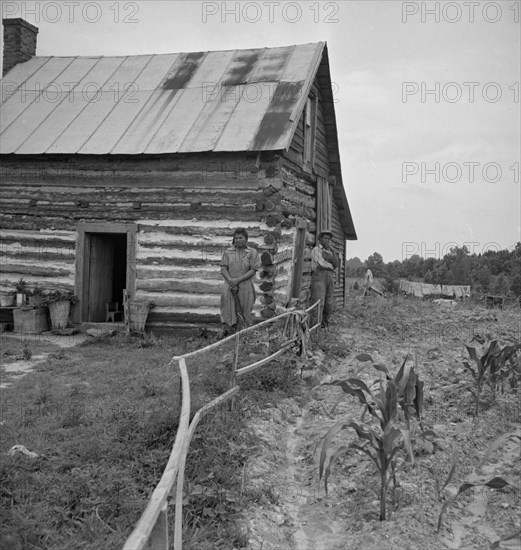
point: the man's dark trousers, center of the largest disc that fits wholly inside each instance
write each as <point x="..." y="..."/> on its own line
<point x="323" y="289"/>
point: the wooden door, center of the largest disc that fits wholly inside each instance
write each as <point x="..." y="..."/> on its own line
<point x="112" y="244"/>
<point x="100" y="276"/>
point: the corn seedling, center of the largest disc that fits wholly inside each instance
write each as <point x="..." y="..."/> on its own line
<point x="381" y="441"/>
<point x="494" y="483"/>
<point x="513" y="538"/>
<point x="451" y="473"/>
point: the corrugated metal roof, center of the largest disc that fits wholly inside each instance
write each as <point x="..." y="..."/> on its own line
<point x="236" y="100"/>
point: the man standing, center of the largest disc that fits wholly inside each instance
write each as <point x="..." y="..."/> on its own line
<point x="324" y="262"/>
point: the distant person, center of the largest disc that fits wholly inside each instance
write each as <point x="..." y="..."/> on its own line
<point x="324" y="262"/>
<point x="368" y="281"/>
<point x="238" y="267"/>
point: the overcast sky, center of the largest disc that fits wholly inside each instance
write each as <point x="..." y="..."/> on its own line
<point x="427" y="99"/>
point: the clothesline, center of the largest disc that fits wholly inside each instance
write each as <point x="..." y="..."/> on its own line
<point x="426" y="289"/>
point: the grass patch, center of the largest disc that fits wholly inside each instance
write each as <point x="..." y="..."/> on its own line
<point x="214" y="496"/>
<point x="102" y="417"/>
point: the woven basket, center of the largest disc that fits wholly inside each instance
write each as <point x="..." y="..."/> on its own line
<point x="59" y="312"/>
<point x="138" y="313"/>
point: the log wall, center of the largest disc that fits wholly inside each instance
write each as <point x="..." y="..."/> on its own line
<point x="43" y="256"/>
<point x="184" y="208"/>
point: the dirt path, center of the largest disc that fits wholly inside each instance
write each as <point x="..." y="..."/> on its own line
<point x="309" y="512"/>
<point x="300" y="517"/>
<point x="11" y="371"/>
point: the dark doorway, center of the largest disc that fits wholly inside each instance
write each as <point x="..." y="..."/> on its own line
<point x="105" y="267"/>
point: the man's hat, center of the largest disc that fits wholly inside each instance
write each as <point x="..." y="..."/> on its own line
<point x="326" y="232"/>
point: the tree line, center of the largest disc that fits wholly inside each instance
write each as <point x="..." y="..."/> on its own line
<point x="493" y="272"/>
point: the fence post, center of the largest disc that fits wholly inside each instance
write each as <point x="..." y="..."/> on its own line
<point x="319" y="321"/>
<point x="178" y="526"/>
<point x="159" y="535"/>
<point x="233" y="376"/>
<point x="181" y="396"/>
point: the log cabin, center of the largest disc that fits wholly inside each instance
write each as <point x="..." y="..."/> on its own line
<point x="131" y="173"/>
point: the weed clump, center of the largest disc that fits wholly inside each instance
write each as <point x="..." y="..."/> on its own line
<point x="279" y="377"/>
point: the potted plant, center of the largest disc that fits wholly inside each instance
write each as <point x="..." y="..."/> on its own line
<point x="59" y="302"/>
<point x="21" y="291"/>
<point x="36" y="296"/>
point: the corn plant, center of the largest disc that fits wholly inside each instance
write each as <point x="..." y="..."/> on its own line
<point x="493" y="366"/>
<point x="479" y="372"/>
<point x="409" y="388"/>
<point x="503" y="367"/>
<point x="381" y="440"/>
<point x="514" y="376"/>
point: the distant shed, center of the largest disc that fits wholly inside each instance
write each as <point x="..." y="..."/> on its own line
<point x="132" y="172"/>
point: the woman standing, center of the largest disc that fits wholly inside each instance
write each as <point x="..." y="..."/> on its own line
<point x="238" y="266"/>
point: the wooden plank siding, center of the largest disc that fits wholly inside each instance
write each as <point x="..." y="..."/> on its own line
<point x="299" y="193"/>
<point x="321" y="160"/>
<point x="339" y="246"/>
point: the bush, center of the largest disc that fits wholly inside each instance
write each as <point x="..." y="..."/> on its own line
<point x="390" y="285"/>
<point x="282" y="376"/>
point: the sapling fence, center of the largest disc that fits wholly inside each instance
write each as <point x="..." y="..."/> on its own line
<point x="281" y="333"/>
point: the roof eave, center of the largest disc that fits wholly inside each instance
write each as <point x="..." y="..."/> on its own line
<point x="321" y="63"/>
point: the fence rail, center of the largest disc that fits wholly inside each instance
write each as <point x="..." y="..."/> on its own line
<point x="152" y="527"/>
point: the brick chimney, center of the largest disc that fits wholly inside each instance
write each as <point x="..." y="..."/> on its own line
<point x="19" y="42"/>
